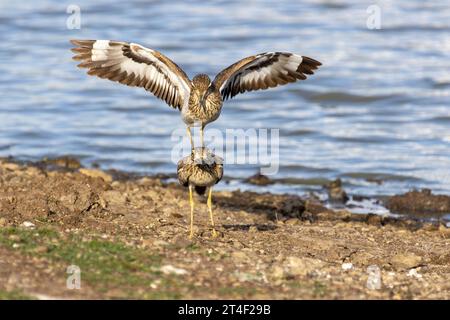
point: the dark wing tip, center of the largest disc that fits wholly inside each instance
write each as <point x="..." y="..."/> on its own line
<point x="308" y="66"/>
<point x="311" y="61"/>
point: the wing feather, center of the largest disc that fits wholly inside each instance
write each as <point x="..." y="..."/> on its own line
<point x="263" y="71"/>
<point x="136" y="66"/>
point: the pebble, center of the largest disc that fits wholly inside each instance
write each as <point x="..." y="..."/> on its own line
<point x="292" y="221"/>
<point x="169" y="269"/>
<point x="277" y="272"/>
<point x="414" y="274"/>
<point x="10" y="166"/>
<point x="28" y="224"/>
<point x="405" y="261"/>
<point x="301" y="266"/>
<point x="3" y="222"/>
<point x="347" y="266"/>
<point x="239" y="256"/>
<point x="95" y="173"/>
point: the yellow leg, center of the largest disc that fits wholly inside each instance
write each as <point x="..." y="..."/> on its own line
<point x="211" y="215"/>
<point x="191" y="201"/>
<point x="190" y="137"/>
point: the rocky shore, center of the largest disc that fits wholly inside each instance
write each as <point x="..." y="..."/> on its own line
<point x="129" y="237"/>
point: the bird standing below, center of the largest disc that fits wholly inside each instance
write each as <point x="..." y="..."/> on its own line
<point x="201" y="170"/>
<point x="200" y="100"/>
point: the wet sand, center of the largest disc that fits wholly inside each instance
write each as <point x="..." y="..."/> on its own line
<point x="129" y="236"/>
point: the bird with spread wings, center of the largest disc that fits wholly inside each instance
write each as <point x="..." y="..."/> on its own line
<point x="200" y="100"/>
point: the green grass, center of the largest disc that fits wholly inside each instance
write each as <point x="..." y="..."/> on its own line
<point x="238" y="292"/>
<point x="103" y="264"/>
<point x="320" y="289"/>
<point x="14" y="295"/>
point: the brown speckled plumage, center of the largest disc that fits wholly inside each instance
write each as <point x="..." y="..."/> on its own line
<point x="200" y="100"/>
<point x="201" y="169"/>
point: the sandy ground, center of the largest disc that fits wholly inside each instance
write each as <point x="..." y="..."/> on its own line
<point x="129" y="237"/>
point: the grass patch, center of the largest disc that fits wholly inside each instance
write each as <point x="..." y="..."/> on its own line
<point x="237" y="292"/>
<point x="14" y="295"/>
<point x="320" y="289"/>
<point x="104" y="264"/>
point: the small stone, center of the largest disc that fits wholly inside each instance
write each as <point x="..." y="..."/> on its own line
<point x="277" y="272"/>
<point x="405" y="261"/>
<point x="253" y="229"/>
<point x="3" y="222"/>
<point x="336" y="192"/>
<point x="414" y="274"/>
<point x="239" y="256"/>
<point x="301" y="266"/>
<point x="10" y="166"/>
<point x="95" y="173"/>
<point x="41" y="249"/>
<point x="169" y="269"/>
<point x="259" y="180"/>
<point x="444" y="229"/>
<point x="14" y="237"/>
<point x="292" y="221"/>
<point x="347" y="266"/>
<point x="28" y="224"/>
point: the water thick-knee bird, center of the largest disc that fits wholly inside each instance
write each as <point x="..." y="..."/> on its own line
<point x="200" y="171"/>
<point x="200" y="100"/>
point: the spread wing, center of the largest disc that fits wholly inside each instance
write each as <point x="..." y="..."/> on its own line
<point x="135" y="66"/>
<point x="262" y="71"/>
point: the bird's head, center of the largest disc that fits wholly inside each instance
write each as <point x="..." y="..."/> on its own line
<point x="201" y="83"/>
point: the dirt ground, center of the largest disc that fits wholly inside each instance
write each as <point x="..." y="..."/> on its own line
<point x="129" y="238"/>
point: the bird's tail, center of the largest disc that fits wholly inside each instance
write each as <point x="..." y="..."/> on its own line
<point x="200" y="190"/>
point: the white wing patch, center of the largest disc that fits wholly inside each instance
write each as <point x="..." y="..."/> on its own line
<point x="135" y="65"/>
<point x="267" y="70"/>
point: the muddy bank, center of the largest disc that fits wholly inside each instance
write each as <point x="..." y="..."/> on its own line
<point x="129" y="234"/>
<point x="420" y="203"/>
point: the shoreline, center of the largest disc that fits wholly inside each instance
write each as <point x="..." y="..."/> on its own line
<point x="308" y="252"/>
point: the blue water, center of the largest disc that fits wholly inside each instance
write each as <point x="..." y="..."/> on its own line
<point x="376" y="114"/>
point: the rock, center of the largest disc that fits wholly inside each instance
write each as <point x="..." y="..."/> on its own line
<point x="62" y="162"/>
<point x="292" y="221"/>
<point x="259" y="180"/>
<point x="336" y="192"/>
<point x="277" y="272"/>
<point x="444" y="229"/>
<point x="419" y="202"/>
<point x="113" y="198"/>
<point x="405" y="261"/>
<point x="374" y="219"/>
<point x="295" y="266"/>
<point x="41" y="249"/>
<point x="414" y="274"/>
<point x="169" y="269"/>
<point x="239" y="256"/>
<point x="247" y="277"/>
<point x="315" y="207"/>
<point x="253" y="229"/>
<point x="3" y="222"/>
<point x="28" y="225"/>
<point x="95" y="173"/>
<point x="10" y="166"/>
<point x="347" y="266"/>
